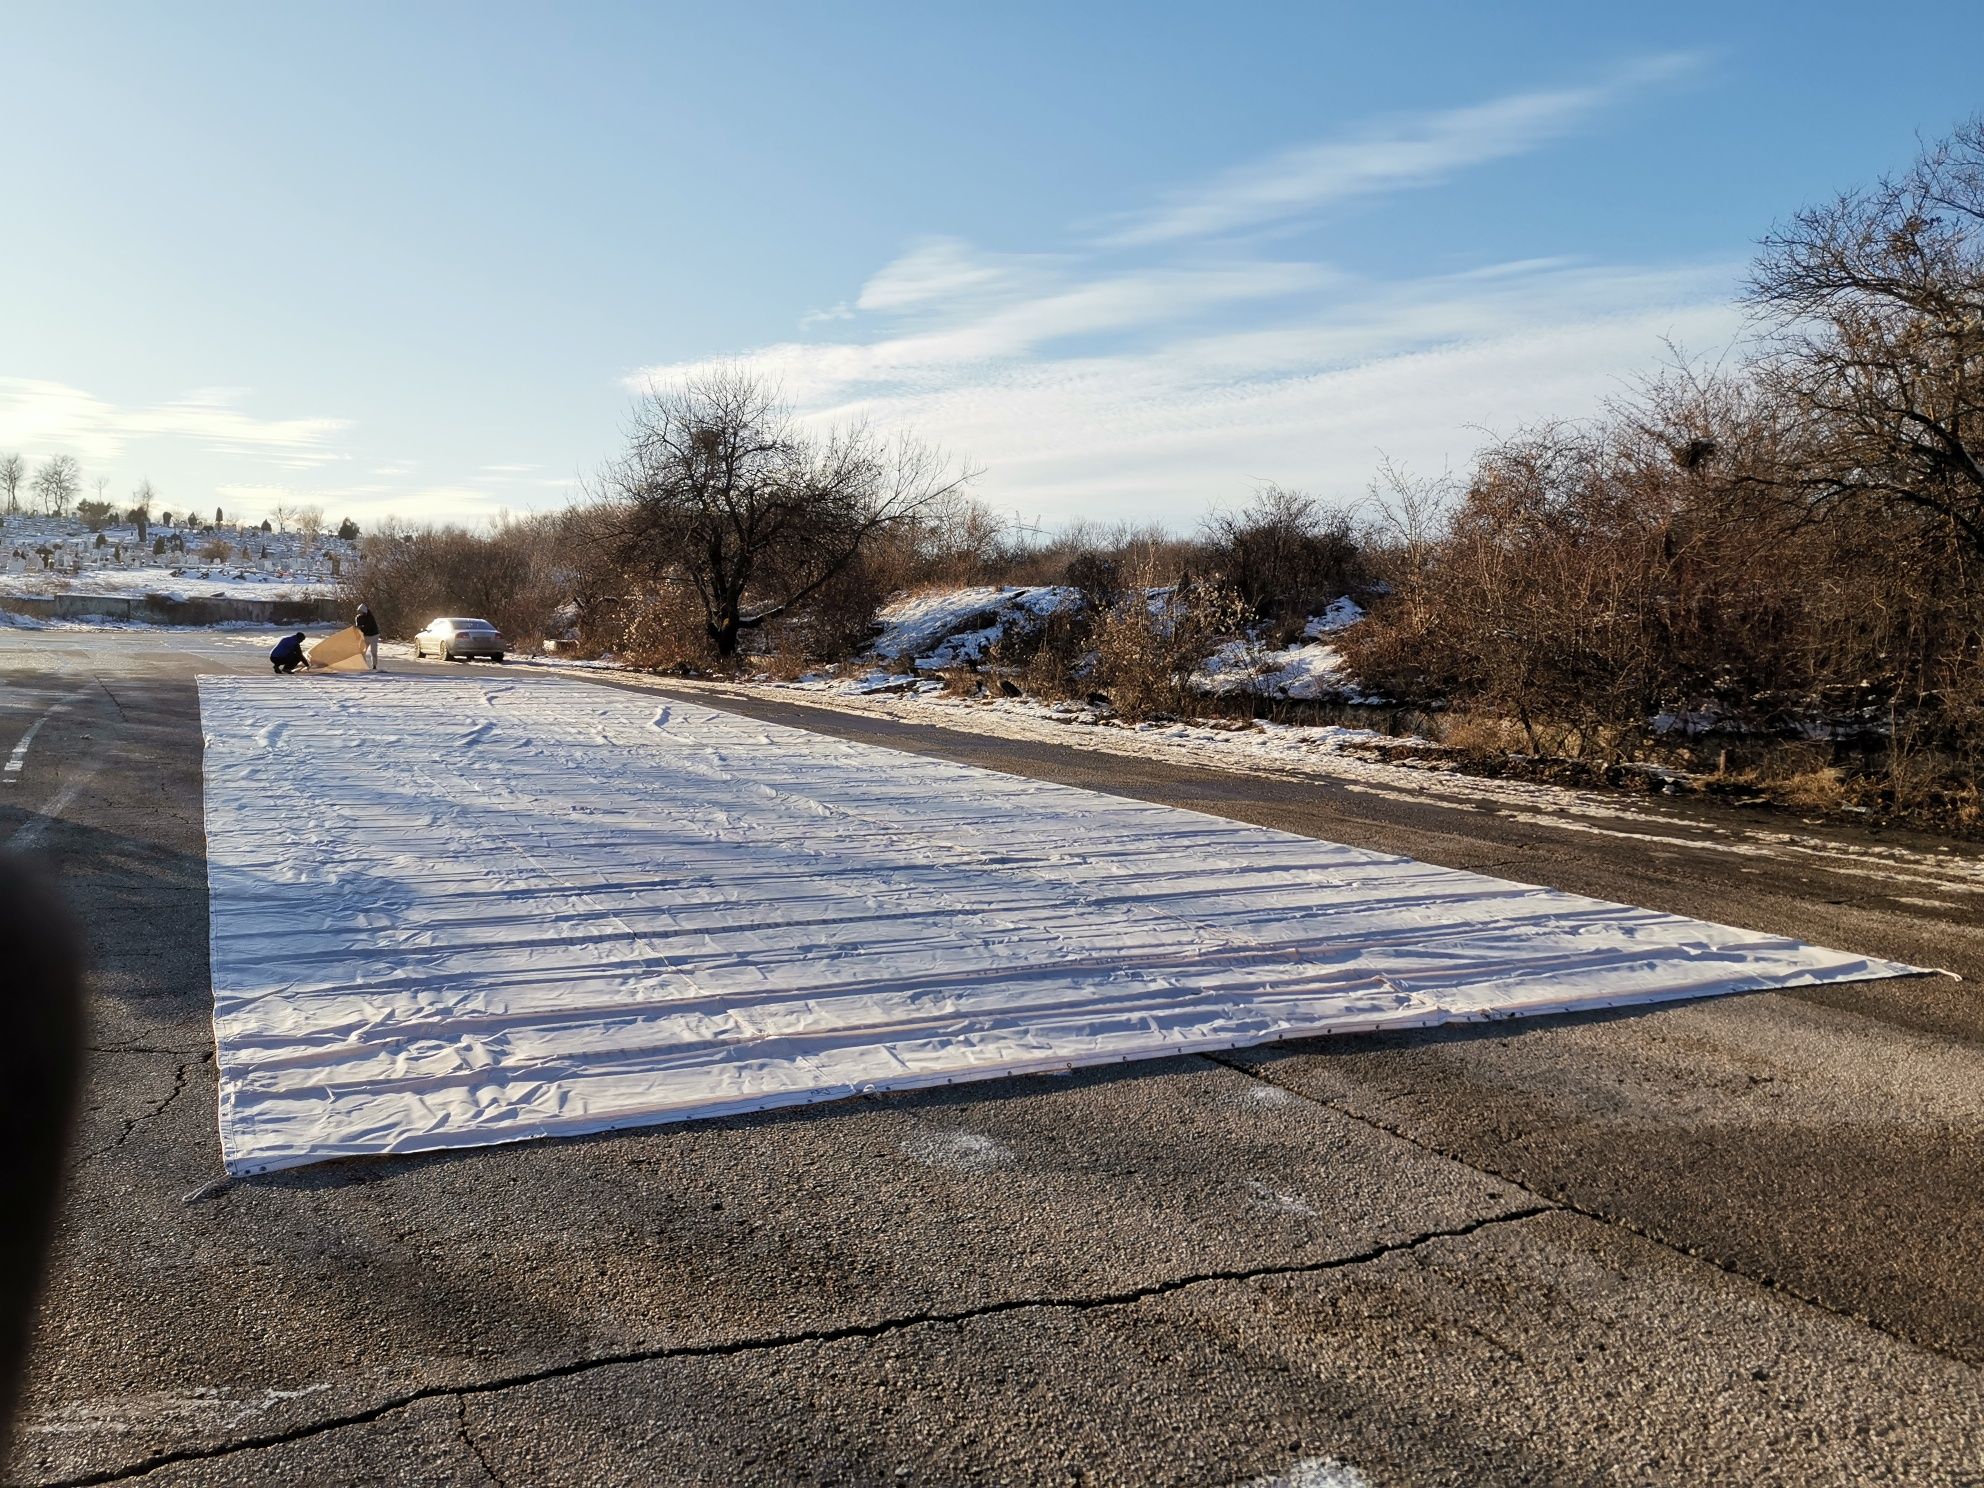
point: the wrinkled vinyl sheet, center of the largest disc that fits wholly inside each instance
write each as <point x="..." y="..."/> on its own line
<point x="449" y="912"/>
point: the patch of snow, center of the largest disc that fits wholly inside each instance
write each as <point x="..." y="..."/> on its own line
<point x="1339" y="614"/>
<point x="1292" y="1205"/>
<point x="960" y="1151"/>
<point x="1304" y="672"/>
<point x="217" y="581"/>
<point x="11" y="621"/>
<point x="203" y="1407"/>
<point x="1313" y="1472"/>
<point x="943" y="628"/>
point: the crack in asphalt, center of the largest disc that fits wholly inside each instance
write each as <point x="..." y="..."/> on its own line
<point x="132" y="1123"/>
<point x="469" y="1440"/>
<point x="122" y="716"/>
<point x="192" y="1053"/>
<point x="769" y="1342"/>
<point x="1570" y="1205"/>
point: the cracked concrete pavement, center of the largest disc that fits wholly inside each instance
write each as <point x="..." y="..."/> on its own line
<point x="1734" y="1240"/>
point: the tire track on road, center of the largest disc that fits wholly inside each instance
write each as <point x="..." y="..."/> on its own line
<point x="30" y="831"/>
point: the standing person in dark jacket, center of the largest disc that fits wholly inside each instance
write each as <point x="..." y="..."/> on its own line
<point x="288" y="654"/>
<point x="369" y="628"/>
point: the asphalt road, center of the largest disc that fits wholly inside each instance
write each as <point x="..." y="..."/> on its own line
<point x="1729" y="1241"/>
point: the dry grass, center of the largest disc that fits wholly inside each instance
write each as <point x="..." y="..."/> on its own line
<point x="1823" y="789"/>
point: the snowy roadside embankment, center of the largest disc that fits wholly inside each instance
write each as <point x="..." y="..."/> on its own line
<point x="950" y="627"/>
<point x="940" y="629"/>
<point x="9" y="620"/>
<point x="197" y="582"/>
<point x="1308" y="671"/>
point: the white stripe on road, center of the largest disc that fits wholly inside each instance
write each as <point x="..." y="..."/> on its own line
<point x="12" y="770"/>
<point x="10" y="773"/>
<point x="29" y="831"/>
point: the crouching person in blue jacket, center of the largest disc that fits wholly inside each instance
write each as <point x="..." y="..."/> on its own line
<point x="288" y="654"/>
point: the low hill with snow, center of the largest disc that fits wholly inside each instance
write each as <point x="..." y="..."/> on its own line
<point x="938" y="629"/>
<point x="42" y="555"/>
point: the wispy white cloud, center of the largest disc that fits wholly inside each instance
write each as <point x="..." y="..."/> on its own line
<point x="466" y="503"/>
<point x="306" y="457"/>
<point x="36" y="414"/>
<point x="950" y="271"/>
<point x="1410" y="151"/>
<point x="1155" y="371"/>
<point x="953" y="335"/>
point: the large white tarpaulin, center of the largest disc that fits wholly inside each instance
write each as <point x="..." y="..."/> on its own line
<point x="452" y="912"/>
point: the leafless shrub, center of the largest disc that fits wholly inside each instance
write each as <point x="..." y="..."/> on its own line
<point x="510" y="575"/>
<point x="1285" y="554"/>
<point x="658" y="630"/>
<point x="1048" y="658"/>
<point x="1151" y="644"/>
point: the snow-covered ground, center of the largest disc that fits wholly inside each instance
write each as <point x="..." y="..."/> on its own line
<point x="512" y="907"/>
<point x="1313" y="668"/>
<point x="942" y="628"/>
<point x="127" y="567"/>
<point x="198" y="581"/>
<point x="11" y="621"/>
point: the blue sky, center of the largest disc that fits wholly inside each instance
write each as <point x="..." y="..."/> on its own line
<point x="1130" y="261"/>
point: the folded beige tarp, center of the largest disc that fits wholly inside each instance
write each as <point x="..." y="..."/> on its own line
<point x="343" y="651"/>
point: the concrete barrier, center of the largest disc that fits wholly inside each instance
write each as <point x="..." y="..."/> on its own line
<point x="164" y="609"/>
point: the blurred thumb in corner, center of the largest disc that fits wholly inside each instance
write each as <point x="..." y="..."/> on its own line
<point x="40" y="1060"/>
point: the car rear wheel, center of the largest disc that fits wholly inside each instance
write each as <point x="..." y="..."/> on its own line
<point x="496" y="656"/>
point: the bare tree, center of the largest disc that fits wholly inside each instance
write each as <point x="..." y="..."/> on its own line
<point x="13" y="471"/>
<point x="1878" y="299"/>
<point x="141" y="508"/>
<point x="282" y="515"/>
<point x="56" y="482"/>
<point x="721" y="492"/>
<point x="310" y="524"/>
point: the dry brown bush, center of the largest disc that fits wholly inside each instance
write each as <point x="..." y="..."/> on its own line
<point x="511" y="576"/>
<point x="1150" y="644"/>
<point x="660" y="631"/>
<point x="1286" y="554"/>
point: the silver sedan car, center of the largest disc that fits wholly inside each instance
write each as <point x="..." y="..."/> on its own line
<point x="458" y="638"/>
